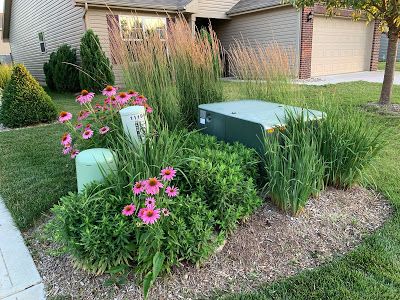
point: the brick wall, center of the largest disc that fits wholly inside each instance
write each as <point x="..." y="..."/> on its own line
<point x="376" y="45"/>
<point x="306" y="43"/>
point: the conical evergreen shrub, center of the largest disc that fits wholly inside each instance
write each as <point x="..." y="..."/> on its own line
<point x="61" y="72"/>
<point x="25" y="102"/>
<point x="96" y="67"/>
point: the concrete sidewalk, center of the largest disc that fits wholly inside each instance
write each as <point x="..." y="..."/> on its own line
<point x="375" y="77"/>
<point x="19" y="278"/>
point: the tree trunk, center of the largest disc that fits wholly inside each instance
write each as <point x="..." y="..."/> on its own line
<point x="387" y="86"/>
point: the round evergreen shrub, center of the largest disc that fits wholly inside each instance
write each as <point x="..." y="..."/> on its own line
<point x="61" y="72"/>
<point x="96" y="69"/>
<point x="25" y="102"/>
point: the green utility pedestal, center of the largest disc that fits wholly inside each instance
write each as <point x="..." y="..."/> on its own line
<point x="93" y="165"/>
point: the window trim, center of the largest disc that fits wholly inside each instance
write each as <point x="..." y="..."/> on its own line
<point x="165" y="19"/>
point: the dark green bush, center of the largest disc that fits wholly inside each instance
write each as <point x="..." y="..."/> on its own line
<point x="223" y="176"/>
<point x="25" y="102"/>
<point x="96" y="70"/>
<point x="61" y="71"/>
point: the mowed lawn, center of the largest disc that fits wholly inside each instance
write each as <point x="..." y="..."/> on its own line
<point x="34" y="174"/>
<point x="382" y="65"/>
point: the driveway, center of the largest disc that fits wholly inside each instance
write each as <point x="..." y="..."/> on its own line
<point x="376" y="77"/>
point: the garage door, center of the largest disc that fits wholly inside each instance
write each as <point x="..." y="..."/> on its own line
<point x="340" y="46"/>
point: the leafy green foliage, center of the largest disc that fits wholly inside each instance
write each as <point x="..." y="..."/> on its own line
<point x="96" y="69"/>
<point x="220" y="176"/>
<point x="61" y="70"/>
<point x="92" y="229"/>
<point x="25" y="102"/>
<point x="5" y="75"/>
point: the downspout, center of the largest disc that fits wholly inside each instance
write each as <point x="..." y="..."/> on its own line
<point x="85" y="10"/>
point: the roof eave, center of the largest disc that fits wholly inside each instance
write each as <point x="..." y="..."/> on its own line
<point x="249" y="11"/>
<point x="129" y="7"/>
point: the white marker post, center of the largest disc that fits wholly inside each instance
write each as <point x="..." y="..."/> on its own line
<point x="135" y="123"/>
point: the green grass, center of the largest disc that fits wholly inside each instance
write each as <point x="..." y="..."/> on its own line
<point x="382" y="64"/>
<point x="33" y="175"/>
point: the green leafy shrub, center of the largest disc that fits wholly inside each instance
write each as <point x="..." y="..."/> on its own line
<point x="98" y="230"/>
<point x="5" y="75"/>
<point x="347" y="144"/>
<point x="220" y="175"/>
<point x="61" y="71"/>
<point x="92" y="229"/>
<point x="25" y="102"/>
<point x="96" y="70"/>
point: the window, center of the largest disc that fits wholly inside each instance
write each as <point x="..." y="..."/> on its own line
<point x="136" y="28"/>
<point x="42" y="42"/>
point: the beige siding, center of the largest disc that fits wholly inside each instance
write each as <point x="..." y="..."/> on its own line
<point x="60" y="21"/>
<point x="211" y="9"/>
<point x="279" y="24"/>
<point x="96" y="19"/>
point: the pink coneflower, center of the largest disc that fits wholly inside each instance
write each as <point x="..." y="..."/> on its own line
<point x="172" y="191"/>
<point x="78" y="126"/>
<point x="149" y="110"/>
<point x="67" y="150"/>
<point x="168" y="174"/>
<point x="165" y="212"/>
<point x="74" y="153"/>
<point x="150" y="202"/>
<point x="129" y="210"/>
<point x="123" y="98"/>
<point x="109" y="91"/>
<point x="87" y="133"/>
<point x="84" y="97"/>
<point x="140" y="213"/>
<point x="149" y="216"/>
<point x="133" y="93"/>
<point x="152" y="186"/>
<point x="66" y="139"/>
<point x="140" y="100"/>
<point x="83" y="114"/>
<point x="64" y="117"/>
<point x="138" y="187"/>
<point x="104" y="130"/>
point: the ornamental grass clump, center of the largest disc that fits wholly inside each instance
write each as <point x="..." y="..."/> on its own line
<point x="175" y="67"/>
<point x="267" y="69"/>
<point x="348" y="145"/>
<point x="293" y="167"/>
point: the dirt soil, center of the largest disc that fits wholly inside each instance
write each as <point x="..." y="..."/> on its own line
<point x="391" y="109"/>
<point x="269" y="246"/>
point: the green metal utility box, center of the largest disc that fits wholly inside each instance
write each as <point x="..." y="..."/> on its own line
<point x="246" y="121"/>
<point x="93" y="165"/>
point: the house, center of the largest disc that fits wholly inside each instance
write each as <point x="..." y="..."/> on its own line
<point x="384" y="46"/>
<point x="5" y="57"/>
<point x="322" y="45"/>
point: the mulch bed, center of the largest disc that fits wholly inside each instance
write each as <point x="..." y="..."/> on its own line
<point x="391" y="109"/>
<point x="268" y="246"/>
